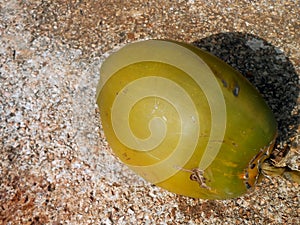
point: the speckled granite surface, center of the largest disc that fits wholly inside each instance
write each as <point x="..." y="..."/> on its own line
<point x="55" y="164"/>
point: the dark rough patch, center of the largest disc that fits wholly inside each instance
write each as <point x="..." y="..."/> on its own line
<point x="236" y="90"/>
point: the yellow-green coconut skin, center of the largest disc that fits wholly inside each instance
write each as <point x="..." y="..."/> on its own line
<point x="224" y="103"/>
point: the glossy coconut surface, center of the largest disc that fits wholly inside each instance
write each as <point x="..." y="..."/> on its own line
<point x="183" y="119"/>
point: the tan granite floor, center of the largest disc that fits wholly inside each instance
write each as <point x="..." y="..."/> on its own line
<point x="55" y="164"/>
